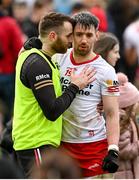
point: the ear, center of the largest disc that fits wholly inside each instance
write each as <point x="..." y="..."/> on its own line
<point x="52" y="35"/>
<point x="97" y="35"/>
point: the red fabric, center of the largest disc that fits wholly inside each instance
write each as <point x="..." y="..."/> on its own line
<point x="11" y="42"/>
<point x="88" y="155"/>
<point x="101" y="14"/>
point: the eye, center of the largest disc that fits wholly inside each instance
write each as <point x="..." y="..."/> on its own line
<point x="89" y="35"/>
<point x="78" y="34"/>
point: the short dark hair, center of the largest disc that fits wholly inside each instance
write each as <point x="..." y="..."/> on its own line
<point x="105" y="43"/>
<point x="86" y="19"/>
<point x="54" y="21"/>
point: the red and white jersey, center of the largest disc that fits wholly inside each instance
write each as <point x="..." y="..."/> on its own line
<point x="81" y="121"/>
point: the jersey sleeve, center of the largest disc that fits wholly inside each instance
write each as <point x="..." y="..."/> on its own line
<point x="110" y="84"/>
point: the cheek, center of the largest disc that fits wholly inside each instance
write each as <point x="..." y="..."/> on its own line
<point x="111" y="59"/>
<point x="75" y="42"/>
<point x="111" y="56"/>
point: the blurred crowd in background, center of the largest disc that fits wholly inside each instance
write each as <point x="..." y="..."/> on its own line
<point x="120" y="17"/>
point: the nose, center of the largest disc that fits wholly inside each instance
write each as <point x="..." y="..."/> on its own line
<point x="84" y="40"/>
<point x="118" y="56"/>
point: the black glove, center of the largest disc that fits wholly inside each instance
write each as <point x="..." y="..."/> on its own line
<point x="33" y="42"/>
<point x="111" y="161"/>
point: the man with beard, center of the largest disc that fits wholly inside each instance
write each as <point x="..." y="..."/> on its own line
<point x="86" y="136"/>
<point x="39" y="103"/>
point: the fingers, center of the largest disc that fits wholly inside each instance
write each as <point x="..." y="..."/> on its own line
<point x="88" y="70"/>
<point x="90" y="74"/>
<point x="90" y="80"/>
<point x="85" y="69"/>
<point x="85" y="77"/>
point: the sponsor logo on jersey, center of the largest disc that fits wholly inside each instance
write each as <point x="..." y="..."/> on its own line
<point x="110" y="82"/>
<point x="65" y="83"/>
<point x="42" y="76"/>
<point x="112" y="86"/>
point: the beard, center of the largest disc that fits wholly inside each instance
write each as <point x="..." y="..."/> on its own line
<point x="59" y="46"/>
<point x="82" y="52"/>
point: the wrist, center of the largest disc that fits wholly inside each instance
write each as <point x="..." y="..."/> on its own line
<point x="113" y="147"/>
<point x="74" y="86"/>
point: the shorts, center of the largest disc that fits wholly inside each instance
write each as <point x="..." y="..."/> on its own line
<point x="88" y="155"/>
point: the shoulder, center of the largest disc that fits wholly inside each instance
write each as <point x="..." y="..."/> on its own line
<point x="103" y="65"/>
<point x="9" y="20"/>
<point x="105" y="72"/>
<point x="59" y="58"/>
<point x="9" y="25"/>
<point x="34" y="59"/>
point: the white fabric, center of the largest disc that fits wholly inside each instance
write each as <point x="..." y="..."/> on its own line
<point x="82" y="122"/>
<point x="131" y="36"/>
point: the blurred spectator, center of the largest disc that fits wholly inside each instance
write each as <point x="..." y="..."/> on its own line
<point x="3" y="110"/>
<point x="10" y="44"/>
<point x="29" y="24"/>
<point x="20" y="11"/>
<point x="63" y="6"/>
<point x="108" y="47"/>
<point x="6" y="138"/>
<point x="97" y="7"/>
<point x="129" y="132"/>
<point x="120" y="12"/>
<point x="30" y="3"/>
<point x="131" y="48"/>
<point x="102" y="16"/>
<point x="7" y="7"/>
<point x="6" y="142"/>
<point x="21" y="14"/>
<point x="78" y="7"/>
<point x="9" y="170"/>
<point x="56" y="164"/>
<point x="91" y="3"/>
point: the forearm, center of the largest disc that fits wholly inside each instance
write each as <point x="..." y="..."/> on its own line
<point x="53" y="107"/>
<point x="113" y="129"/>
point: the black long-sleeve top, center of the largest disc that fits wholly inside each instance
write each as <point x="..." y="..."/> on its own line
<point x="35" y="69"/>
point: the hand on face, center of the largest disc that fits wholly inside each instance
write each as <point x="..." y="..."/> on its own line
<point x="85" y="77"/>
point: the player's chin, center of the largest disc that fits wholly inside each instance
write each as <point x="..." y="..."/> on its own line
<point x="69" y="45"/>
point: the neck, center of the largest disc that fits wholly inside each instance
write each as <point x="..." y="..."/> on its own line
<point x="48" y="51"/>
<point x="83" y="58"/>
